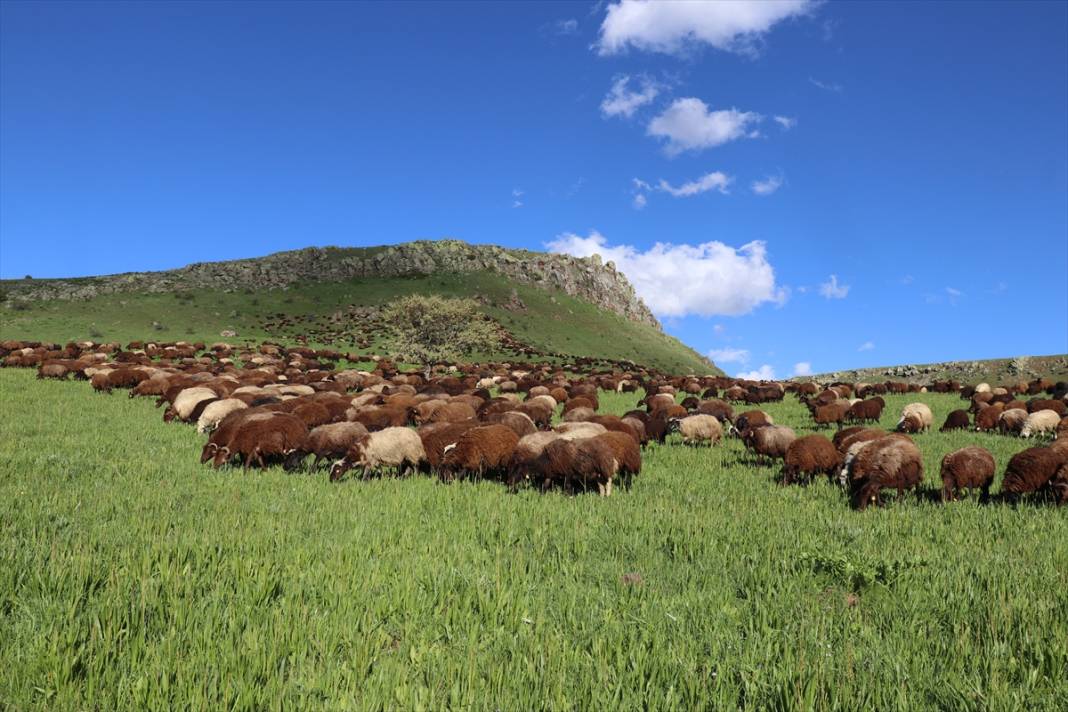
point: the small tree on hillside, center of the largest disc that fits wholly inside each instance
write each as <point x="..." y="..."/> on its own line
<point x="431" y="329"/>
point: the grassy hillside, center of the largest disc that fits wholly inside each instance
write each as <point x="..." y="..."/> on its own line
<point x="549" y="320"/>
<point x="132" y="577"/>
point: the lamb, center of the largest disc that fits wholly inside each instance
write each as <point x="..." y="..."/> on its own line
<point x="915" y="417"/>
<point x="769" y="441"/>
<point x="1012" y="421"/>
<point x="697" y="429"/>
<point x="397" y="447"/>
<point x="256" y="440"/>
<point x="810" y="455"/>
<point x="1041" y="422"/>
<point x="893" y="462"/>
<point x="956" y="420"/>
<point x="479" y="451"/>
<point x="215" y="412"/>
<point x="1034" y="470"/>
<point x="969" y="467"/>
<point x="327" y="442"/>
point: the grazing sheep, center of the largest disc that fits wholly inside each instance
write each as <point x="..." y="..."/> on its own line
<point x="892" y="462"/>
<point x="844" y="433"/>
<point x="1040" y="422"/>
<point x="956" y="420"/>
<point x="397" y="447"/>
<point x="626" y="452"/>
<point x="769" y="441"/>
<point x="479" y="451"/>
<point x="577" y="415"/>
<point x="254" y="441"/>
<point x="53" y="369"/>
<point x="537" y="410"/>
<point x="810" y="455"/>
<point x="967" y="468"/>
<point x="1033" y="470"/>
<point x="614" y="422"/>
<point x="519" y="422"/>
<point x="862" y="436"/>
<point x="228" y="426"/>
<point x="590" y="460"/>
<point x="866" y="411"/>
<point x="752" y="419"/>
<point x="327" y="442"/>
<point x="579" y="402"/>
<point x="527" y="451"/>
<point x="719" y="408"/>
<point x="915" y="418"/>
<point x="577" y="431"/>
<point x="832" y="413"/>
<point x="1010" y="421"/>
<point x="190" y="403"/>
<point x="698" y="429"/>
<point x="438" y="436"/>
<point x="986" y="419"/>
<point x="375" y="417"/>
<point x="451" y="413"/>
<point x="1057" y="406"/>
<point x="215" y="412"/>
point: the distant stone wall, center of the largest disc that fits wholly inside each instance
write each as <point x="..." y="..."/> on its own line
<point x="586" y="278"/>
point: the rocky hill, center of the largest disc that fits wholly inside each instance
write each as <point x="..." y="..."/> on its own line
<point x="585" y="278"/>
<point x="1001" y="370"/>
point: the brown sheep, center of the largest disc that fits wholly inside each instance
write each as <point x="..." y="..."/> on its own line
<point x="865" y="411"/>
<point x="327" y="442"/>
<point x="627" y="454"/>
<point x="479" y="451"/>
<point x="576" y="415"/>
<point x="956" y="420"/>
<point x="527" y="451"/>
<point x="769" y="441"/>
<point x="720" y="409"/>
<point x="437" y="436"/>
<point x="864" y="435"/>
<point x="1011" y="421"/>
<point x="844" y="433"/>
<point x="255" y="441"/>
<point x="967" y="468"/>
<point x="1038" y="404"/>
<point x="520" y="423"/>
<point x="810" y="455"/>
<point x="1033" y="470"/>
<point x="986" y="419"/>
<point x="538" y="411"/>
<point x="832" y="413"/>
<point x="579" y="462"/>
<point x="378" y="417"/>
<point x="892" y="462"/>
<point x="752" y="419"/>
<point x="454" y="412"/>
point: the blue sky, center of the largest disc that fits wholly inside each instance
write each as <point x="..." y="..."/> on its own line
<point x="830" y="184"/>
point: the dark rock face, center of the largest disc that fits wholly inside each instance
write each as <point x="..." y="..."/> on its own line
<point x="586" y="278"/>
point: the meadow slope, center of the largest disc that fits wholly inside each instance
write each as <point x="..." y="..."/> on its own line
<point x="132" y="577"/>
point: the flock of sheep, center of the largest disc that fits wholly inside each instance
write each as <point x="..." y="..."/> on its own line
<point x="270" y="404"/>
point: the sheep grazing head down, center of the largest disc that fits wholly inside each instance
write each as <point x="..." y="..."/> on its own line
<point x="356" y="457"/>
<point x="208" y="452"/>
<point x="910" y="424"/>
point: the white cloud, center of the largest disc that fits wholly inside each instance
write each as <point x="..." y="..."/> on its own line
<point x="907" y="279"/>
<point x="803" y="368"/>
<point x="516" y="195"/>
<point x="786" y="122"/>
<point x="718" y="329"/>
<point x="954" y="292"/>
<point x="866" y="346"/>
<point x="709" y="181"/>
<point x="826" y="86"/>
<point x="673" y="26"/>
<point x="729" y="355"/>
<point x="623" y="101"/>
<point x="767" y="186"/>
<point x="689" y="125"/>
<point x="832" y="290"/>
<point x="675" y="280"/>
<point x="764" y="373"/>
<point x="640" y="201"/>
<point x="566" y="27"/>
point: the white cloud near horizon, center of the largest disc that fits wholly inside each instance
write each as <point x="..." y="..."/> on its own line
<point x="729" y="355"/>
<point x="832" y="290"/>
<point x="674" y="26"/>
<point x="622" y="101"/>
<point x="767" y="186"/>
<point x="688" y="124"/>
<point x="677" y="280"/>
<point x="803" y="368"/>
<point x="764" y="373"/>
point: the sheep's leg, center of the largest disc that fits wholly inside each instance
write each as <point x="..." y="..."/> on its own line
<point x="601" y="489"/>
<point x="608" y="488"/>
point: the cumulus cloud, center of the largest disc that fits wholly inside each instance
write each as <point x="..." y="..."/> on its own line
<point x="764" y="373"/>
<point x="832" y="290"/>
<point x="688" y="124"/>
<point x="729" y="355"/>
<point x="676" y="280"/>
<point x="673" y="26"/>
<point x="866" y="346"/>
<point x="709" y="181"/>
<point x="786" y="122"/>
<point x="767" y="186"/>
<point x="803" y="368"/>
<point x="621" y="100"/>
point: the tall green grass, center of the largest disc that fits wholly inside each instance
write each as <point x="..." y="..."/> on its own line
<point x="133" y="578"/>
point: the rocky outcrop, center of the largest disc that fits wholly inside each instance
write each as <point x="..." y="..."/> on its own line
<point x="586" y="278"/>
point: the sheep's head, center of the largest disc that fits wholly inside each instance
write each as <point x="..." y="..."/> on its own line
<point x="909" y="424"/>
<point x="208" y="452"/>
<point x="222" y="456"/>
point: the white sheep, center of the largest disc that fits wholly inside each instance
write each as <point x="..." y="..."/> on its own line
<point x="215" y="412"/>
<point x="1040" y="422"/>
<point x="915" y="417"/>
<point x="400" y="447"/>
<point x="188" y="399"/>
<point x="580" y="430"/>
<point x="701" y="428"/>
